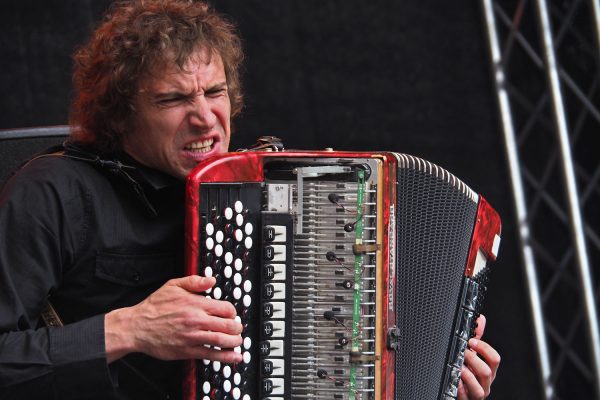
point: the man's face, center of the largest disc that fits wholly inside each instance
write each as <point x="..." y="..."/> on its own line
<point x="182" y="116"/>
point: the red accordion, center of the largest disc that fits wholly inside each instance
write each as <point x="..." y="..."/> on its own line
<point x="356" y="275"/>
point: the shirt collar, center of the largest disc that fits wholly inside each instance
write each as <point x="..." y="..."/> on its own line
<point x="151" y="177"/>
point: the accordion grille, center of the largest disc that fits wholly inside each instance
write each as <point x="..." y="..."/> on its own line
<point x="434" y="227"/>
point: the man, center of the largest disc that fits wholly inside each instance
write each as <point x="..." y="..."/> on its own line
<point x="96" y="228"/>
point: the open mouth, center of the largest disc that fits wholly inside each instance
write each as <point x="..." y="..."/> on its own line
<point x="202" y="146"/>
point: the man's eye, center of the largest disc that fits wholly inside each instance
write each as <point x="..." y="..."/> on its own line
<point x="215" y="92"/>
<point x="169" y="100"/>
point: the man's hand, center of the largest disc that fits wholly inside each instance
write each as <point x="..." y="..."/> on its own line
<point x="175" y="323"/>
<point x="479" y="370"/>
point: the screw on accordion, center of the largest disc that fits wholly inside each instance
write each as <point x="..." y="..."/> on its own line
<point x="355" y="275"/>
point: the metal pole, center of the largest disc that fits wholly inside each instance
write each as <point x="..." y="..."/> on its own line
<point x="520" y="204"/>
<point x="581" y="255"/>
<point x="596" y="12"/>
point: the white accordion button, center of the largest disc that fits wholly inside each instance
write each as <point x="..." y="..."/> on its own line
<point x="248" y="242"/>
<point x="228" y="258"/>
<point x="216" y="366"/>
<point x="247" y="300"/>
<point x="210" y="243"/>
<point x="237" y="293"/>
<point x="210" y="229"/>
<point x="226" y="372"/>
<point x="237" y="318"/>
<point x="239" y="235"/>
<point x="247" y="286"/>
<point x="206" y="387"/>
<point x="226" y="385"/>
<point x="248" y="228"/>
<point x="208" y="272"/>
<point x="218" y="250"/>
<point x="239" y="220"/>
<point x="238" y="206"/>
<point x="228" y="213"/>
<point x="247" y="343"/>
<point x="237" y="379"/>
<point x="246" y="357"/>
<point x="227" y="271"/>
<point x="236" y="393"/>
<point x="217" y="293"/>
<point x="219" y="236"/>
<point x="238" y="264"/>
<point x="237" y="279"/>
<point x="206" y="362"/>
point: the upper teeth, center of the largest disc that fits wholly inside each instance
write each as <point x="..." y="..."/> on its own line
<point x="204" y="145"/>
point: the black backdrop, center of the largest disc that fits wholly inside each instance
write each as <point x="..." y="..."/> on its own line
<point x="409" y="76"/>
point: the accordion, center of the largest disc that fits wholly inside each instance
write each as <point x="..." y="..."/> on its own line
<point x="355" y="275"/>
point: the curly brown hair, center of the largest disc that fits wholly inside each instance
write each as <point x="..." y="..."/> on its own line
<point x="136" y="38"/>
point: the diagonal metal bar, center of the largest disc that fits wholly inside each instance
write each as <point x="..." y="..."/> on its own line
<point x="567" y="352"/>
<point x="541" y="194"/>
<point x="535" y="115"/>
<point x="580" y="95"/>
<point x="593" y="183"/>
<point x="519" y="199"/>
<point x="583" y="264"/>
<point x="577" y="129"/>
<point x="560" y="276"/>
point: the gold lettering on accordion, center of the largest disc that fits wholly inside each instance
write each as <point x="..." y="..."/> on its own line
<point x="391" y="257"/>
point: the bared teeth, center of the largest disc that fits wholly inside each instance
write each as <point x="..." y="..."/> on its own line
<point x="202" y="146"/>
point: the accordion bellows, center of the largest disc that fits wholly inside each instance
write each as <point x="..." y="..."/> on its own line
<point x="355" y="275"/>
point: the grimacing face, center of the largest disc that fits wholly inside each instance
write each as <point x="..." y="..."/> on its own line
<point x="182" y="116"/>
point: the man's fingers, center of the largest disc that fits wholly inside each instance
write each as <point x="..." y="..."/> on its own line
<point x="462" y="392"/>
<point x="219" y="308"/>
<point x="481" y="370"/>
<point x="205" y="353"/>
<point x="481" y="321"/>
<point x="193" y="283"/>
<point x="224" y="341"/>
<point x="489" y="354"/>
<point x="217" y="324"/>
<point x="471" y="385"/>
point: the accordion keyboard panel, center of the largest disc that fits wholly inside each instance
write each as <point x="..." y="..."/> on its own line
<point x="229" y="234"/>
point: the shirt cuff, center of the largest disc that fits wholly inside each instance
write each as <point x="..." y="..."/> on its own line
<point x="78" y="354"/>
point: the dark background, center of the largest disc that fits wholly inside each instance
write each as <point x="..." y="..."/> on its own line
<point x="409" y="76"/>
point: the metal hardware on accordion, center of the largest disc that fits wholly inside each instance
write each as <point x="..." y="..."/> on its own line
<point x="355" y="275"/>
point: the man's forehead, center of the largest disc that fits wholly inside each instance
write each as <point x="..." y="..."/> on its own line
<point x="207" y="66"/>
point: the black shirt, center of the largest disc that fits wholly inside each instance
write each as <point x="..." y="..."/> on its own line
<point x="91" y="236"/>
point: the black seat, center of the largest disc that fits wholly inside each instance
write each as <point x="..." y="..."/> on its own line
<point x="18" y="145"/>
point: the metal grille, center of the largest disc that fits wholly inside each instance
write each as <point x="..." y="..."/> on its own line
<point x="545" y="57"/>
<point x="433" y="212"/>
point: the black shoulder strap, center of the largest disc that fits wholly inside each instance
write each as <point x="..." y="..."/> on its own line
<point x="114" y="166"/>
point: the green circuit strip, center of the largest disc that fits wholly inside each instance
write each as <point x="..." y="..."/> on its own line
<point x="358" y="268"/>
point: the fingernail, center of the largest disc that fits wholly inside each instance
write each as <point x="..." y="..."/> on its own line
<point x="473" y="342"/>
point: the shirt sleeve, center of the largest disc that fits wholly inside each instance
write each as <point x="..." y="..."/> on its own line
<point x="39" y="232"/>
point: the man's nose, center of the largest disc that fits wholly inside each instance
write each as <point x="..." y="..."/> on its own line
<point x="202" y="114"/>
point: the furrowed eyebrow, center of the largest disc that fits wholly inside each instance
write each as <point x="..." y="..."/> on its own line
<point x="169" y="95"/>
<point x="177" y="93"/>
<point x="217" y="86"/>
